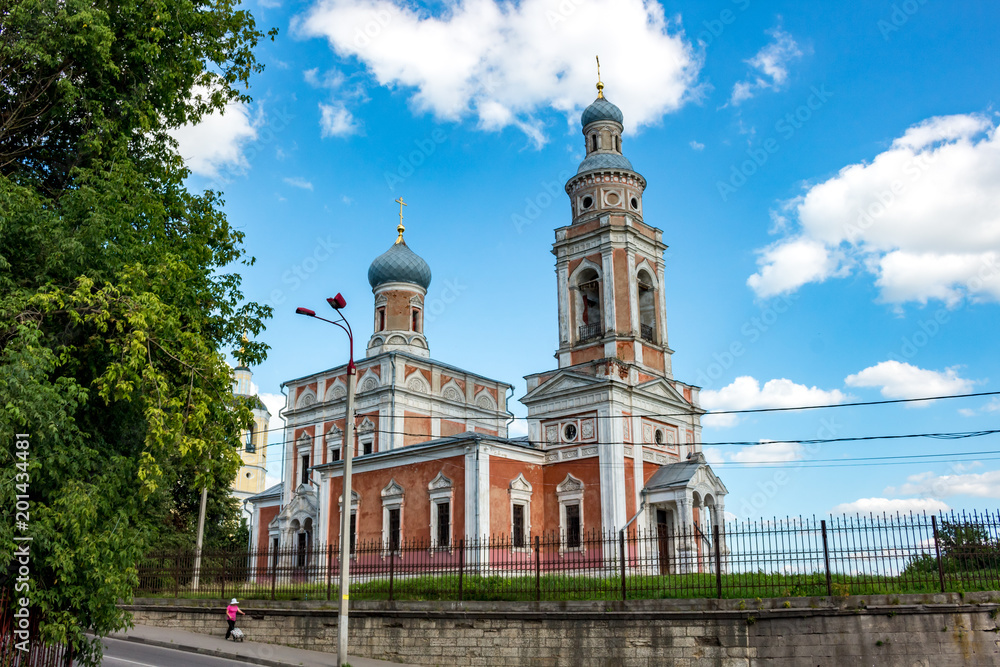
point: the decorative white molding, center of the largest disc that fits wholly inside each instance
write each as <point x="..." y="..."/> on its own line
<point x="392" y="499"/>
<point x="485" y="401"/>
<point x="520" y="491"/>
<point x="306" y="399"/>
<point x="417" y="383"/>
<point x="440" y="490"/>
<point x="569" y="492"/>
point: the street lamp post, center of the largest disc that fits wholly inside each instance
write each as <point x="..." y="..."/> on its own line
<point x="337" y="303"/>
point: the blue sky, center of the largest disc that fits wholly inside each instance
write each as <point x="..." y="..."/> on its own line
<point x="827" y="176"/>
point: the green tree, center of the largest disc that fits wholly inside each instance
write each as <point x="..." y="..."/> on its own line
<point x="117" y="296"/>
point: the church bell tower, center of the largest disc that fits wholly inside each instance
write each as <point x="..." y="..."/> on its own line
<point x="609" y="262"/>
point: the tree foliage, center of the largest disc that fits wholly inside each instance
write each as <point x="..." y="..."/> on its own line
<point x="117" y="296"/>
<point x="965" y="545"/>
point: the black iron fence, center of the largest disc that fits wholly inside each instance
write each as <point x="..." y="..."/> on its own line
<point x="788" y="557"/>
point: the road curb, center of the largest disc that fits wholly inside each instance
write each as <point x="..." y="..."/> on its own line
<point x="215" y="653"/>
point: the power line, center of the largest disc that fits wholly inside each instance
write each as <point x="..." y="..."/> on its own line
<point x="679" y="413"/>
<point x="954" y="435"/>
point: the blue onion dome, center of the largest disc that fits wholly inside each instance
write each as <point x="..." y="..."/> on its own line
<point x="604" y="161"/>
<point x="601" y="109"/>
<point x="399" y="264"/>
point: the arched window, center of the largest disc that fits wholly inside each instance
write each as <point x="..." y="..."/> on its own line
<point x="647" y="306"/>
<point x="593" y="142"/>
<point x="380" y="325"/>
<point x="589" y="315"/>
<point x="618" y="143"/>
<point x="415" y="320"/>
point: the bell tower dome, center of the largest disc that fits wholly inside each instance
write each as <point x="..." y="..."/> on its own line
<point x="609" y="265"/>
<point x="399" y="278"/>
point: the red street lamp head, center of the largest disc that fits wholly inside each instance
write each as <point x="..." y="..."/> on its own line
<point x="305" y="311"/>
<point x="337" y="302"/>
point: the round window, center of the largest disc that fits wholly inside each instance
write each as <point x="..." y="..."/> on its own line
<point x="635" y="203"/>
<point x="658" y="437"/>
<point x="612" y="199"/>
<point x="248" y="475"/>
<point x="569" y="431"/>
<point x="588" y="202"/>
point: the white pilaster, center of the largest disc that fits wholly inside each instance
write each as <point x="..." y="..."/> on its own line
<point x="633" y="297"/>
<point x="608" y="268"/>
<point x="322" y="516"/>
<point x="661" y="279"/>
<point x="611" y="457"/>
<point x="562" y="289"/>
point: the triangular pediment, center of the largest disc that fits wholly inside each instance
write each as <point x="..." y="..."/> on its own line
<point x="304" y="503"/>
<point x="560" y="382"/>
<point x="439" y="482"/>
<point x="663" y="389"/>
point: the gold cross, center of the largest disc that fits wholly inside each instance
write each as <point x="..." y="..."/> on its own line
<point x="600" y="86"/>
<point x="401" y="228"/>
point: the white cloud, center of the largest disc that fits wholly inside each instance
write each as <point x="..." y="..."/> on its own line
<point x="981" y="485"/>
<point x="923" y="217"/>
<point x="274" y="403"/>
<point x="989" y="408"/>
<point x="502" y="62"/>
<point x="897" y="379"/>
<point x="745" y="393"/>
<point x="518" y="428"/>
<point x="891" y="506"/>
<point x="298" y="182"/>
<point x="769" y="68"/>
<point x="216" y="142"/>
<point x="330" y="79"/>
<point x="714" y="454"/>
<point x="271" y="480"/>
<point x="697" y="145"/>
<point x="794" y="262"/>
<point x="769" y="452"/>
<point x="336" y="121"/>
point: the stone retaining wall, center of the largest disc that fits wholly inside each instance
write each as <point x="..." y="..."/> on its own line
<point x="905" y="631"/>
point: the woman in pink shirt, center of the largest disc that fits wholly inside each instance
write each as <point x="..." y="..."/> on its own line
<point x="231" y="612"/>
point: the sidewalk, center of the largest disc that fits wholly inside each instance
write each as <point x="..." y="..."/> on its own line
<point x="272" y="655"/>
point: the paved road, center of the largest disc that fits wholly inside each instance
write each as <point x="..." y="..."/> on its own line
<point x="118" y="653"/>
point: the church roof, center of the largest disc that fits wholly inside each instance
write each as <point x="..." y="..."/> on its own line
<point x="604" y="161"/>
<point x="266" y="494"/>
<point x="399" y="264"/>
<point x="601" y="109"/>
<point x="676" y="474"/>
